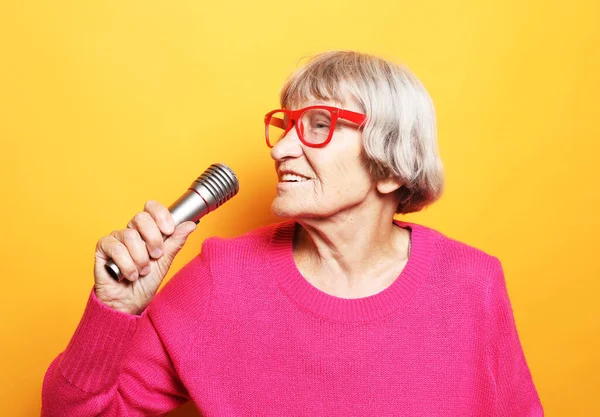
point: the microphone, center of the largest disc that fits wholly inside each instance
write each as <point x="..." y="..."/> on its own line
<point x="211" y="189"/>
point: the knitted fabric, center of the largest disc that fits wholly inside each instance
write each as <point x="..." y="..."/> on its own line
<point x="240" y="332"/>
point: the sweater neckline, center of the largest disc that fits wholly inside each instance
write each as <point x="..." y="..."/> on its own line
<point x="350" y="310"/>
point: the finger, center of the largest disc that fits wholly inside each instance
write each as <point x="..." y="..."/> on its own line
<point x="161" y="215"/>
<point x="137" y="249"/>
<point x="176" y="241"/>
<point x="178" y="238"/>
<point x="112" y="248"/>
<point x="148" y="229"/>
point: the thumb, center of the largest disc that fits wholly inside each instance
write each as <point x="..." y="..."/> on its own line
<point x="178" y="238"/>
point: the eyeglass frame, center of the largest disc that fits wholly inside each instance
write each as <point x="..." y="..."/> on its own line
<point x="294" y="116"/>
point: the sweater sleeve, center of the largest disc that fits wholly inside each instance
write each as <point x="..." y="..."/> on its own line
<point x="117" y="364"/>
<point x="516" y="395"/>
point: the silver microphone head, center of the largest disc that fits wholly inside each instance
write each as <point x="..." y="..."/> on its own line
<point x="211" y="189"/>
<point x="216" y="185"/>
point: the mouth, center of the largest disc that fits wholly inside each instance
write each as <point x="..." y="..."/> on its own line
<point x="293" y="178"/>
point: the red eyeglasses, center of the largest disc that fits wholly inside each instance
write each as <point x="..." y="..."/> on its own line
<point x="314" y="124"/>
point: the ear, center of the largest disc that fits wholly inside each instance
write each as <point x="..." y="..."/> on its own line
<point x="388" y="185"/>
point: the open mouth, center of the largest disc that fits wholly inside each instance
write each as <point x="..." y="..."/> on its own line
<point x="293" y="178"/>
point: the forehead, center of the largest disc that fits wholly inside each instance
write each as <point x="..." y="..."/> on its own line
<point x="345" y="102"/>
<point x="319" y="87"/>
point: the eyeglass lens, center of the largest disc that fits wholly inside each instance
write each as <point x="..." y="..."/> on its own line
<point x="314" y="126"/>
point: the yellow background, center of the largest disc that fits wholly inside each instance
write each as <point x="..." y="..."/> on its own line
<point x="104" y="105"/>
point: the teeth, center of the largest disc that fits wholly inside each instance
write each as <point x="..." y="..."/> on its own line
<point x="292" y="177"/>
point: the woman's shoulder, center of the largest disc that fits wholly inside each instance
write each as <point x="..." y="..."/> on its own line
<point x="459" y="264"/>
<point x="221" y="262"/>
<point x="451" y="251"/>
<point x="248" y="242"/>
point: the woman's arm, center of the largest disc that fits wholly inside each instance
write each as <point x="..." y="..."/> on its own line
<point x="516" y="395"/>
<point x="118" y="364"/>
<point x="115" y="365"/>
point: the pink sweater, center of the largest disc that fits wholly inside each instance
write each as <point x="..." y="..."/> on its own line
<point x="240" y="332"/>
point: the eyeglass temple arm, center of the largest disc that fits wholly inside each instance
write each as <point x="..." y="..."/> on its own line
<point x="357" y="118"/>
<point x="277" y="122"/>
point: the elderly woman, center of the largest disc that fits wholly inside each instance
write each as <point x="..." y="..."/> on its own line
<point x="339" y="310"/>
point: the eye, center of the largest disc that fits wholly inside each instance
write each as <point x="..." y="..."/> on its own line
<point x="318" y="119"/>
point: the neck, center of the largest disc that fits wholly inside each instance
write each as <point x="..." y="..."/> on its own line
<point x="350" y="253"/>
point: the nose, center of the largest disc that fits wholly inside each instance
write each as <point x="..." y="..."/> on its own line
<point x="288" y="146"/>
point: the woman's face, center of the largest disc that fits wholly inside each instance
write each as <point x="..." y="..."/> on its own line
<point x="334" y="180"/>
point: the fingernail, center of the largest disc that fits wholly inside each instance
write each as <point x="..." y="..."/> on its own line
<point x="146" y="270"/>
<point x="157" y="253"/>
<point x="167" y="229"/>
<point x="134" y="276"/>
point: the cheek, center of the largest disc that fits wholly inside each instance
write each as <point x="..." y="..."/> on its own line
<point x="347" y="174"/>
<point x="339" y="169"/>
<point x="345" y="185"/>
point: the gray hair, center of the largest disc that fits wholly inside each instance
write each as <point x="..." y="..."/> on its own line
<point x="400" y="134"/>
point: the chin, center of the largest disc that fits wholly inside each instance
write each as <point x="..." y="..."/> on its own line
<point x="284" y="209"/>
<point x="280" y="210"/>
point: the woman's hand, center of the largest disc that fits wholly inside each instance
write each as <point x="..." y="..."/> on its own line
<point x="142" y="257"/>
